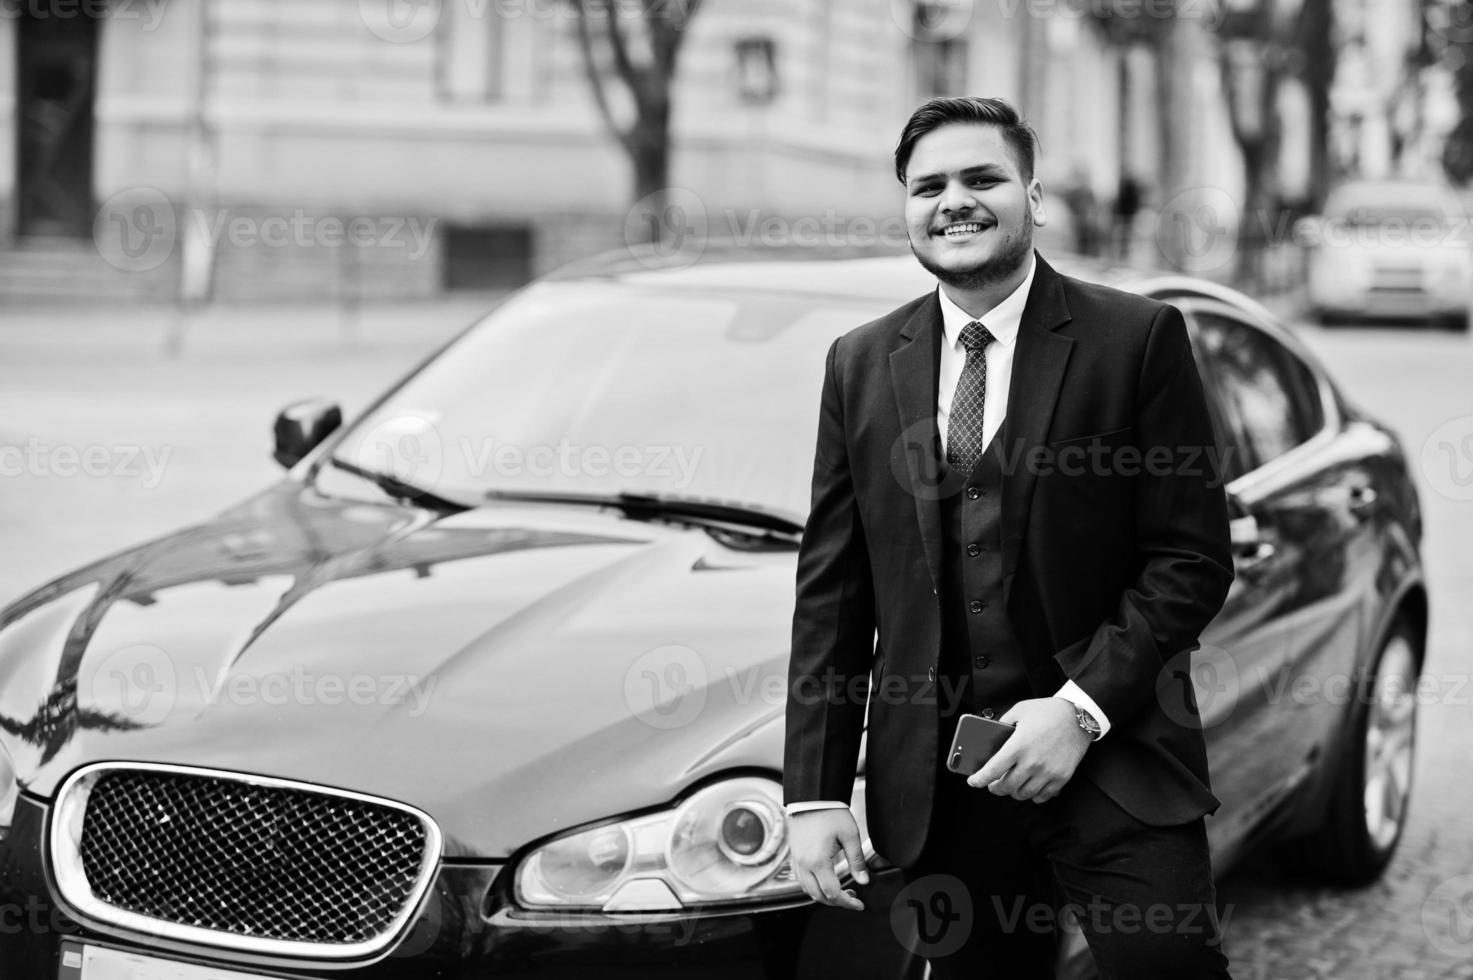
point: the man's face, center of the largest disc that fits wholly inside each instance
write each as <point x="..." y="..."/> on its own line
<point x="969" y="210"/>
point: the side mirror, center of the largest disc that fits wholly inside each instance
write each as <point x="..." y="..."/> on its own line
<point x="301" y="427"/>
<point x="1243" y="532"/>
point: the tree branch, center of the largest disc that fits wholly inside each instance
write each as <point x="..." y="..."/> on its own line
<point x="595" y="80"/>
<point x="630" y="73"/>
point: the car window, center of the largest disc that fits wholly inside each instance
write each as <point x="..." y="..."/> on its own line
<point x="1268" y="399"/>
<point x="604" y="388"/>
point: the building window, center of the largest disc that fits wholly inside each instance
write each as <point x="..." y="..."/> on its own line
<point x="470" y="54"/>
<point x="941" y="67"/>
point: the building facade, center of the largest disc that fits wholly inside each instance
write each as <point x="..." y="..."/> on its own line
<point x="337" y="148"/>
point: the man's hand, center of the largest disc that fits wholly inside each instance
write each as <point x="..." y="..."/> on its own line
<point x="815" y="838"/>
<point x="1040" y="757"/>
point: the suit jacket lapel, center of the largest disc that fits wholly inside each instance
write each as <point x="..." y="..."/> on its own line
<point x="1038" y="374"/>
<point x="913" y="374"/>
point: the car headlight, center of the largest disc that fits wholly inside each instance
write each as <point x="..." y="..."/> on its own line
<point x="9" y="792"/>
<point x="726" y="843"/>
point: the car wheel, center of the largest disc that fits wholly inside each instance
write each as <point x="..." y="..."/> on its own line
<point x="1368" y="806"/>
<point x="1457" y="322"/>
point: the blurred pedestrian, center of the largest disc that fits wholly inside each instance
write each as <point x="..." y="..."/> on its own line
<point x="1127" y="204"/>
<point x="1079" y="196"/>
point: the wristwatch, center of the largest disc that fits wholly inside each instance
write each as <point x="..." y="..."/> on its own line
<point x="1088" y="723"/>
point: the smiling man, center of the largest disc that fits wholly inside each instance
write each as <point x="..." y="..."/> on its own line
<point x="1045" y="597"/>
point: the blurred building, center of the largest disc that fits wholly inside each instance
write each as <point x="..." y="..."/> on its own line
<point x="1379" y="124"/>
<point x="233" y="146"/>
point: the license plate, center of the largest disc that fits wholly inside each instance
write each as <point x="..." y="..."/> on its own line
<point x="100" y="963"/>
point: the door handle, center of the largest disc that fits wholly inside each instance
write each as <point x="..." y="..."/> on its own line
<point x="1250" y="551"/>
<point x="1253" y="559"/>
<point x="1361" y="501"/>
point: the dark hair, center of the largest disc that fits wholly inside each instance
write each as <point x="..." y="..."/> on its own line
<point x="1016" y="133"/>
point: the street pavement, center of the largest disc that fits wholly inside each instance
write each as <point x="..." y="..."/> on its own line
<point x="135" y="422"/>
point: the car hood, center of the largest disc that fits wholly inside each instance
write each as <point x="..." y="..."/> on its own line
<point x="512" y="670"/>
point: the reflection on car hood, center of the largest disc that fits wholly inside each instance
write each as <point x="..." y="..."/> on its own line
<point x="512" y="670"/>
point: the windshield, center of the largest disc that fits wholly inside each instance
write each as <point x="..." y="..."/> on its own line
<point x="605" y="388"/>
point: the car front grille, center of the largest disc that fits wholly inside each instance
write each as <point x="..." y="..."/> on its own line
<point x="241" y="861"/>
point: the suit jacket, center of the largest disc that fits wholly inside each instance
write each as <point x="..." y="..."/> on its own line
<point x="1114" y="538"/>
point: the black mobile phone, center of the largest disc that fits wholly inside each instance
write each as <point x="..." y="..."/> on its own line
<point x="977" y="740"/>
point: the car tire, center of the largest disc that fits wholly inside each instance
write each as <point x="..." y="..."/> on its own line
<point x="1456" y="322"/>
<point x="1373" y="785"/>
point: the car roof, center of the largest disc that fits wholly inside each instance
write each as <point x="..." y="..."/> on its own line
<point x="889" y="275"/>
<point x="1391" y="194"/>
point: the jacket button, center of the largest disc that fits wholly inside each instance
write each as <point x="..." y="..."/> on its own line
<point x="973" y="550"/>
<point x="973" y="493"/>
<point x="931" y="674"/>
<point x="976" y="606"/>
<point x="982" y="663"/>
<point x="986" y="712"/>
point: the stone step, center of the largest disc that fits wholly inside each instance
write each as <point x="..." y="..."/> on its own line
<point x="46" y="271"/>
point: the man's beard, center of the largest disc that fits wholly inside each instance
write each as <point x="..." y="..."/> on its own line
<point x="1010" y="259"/>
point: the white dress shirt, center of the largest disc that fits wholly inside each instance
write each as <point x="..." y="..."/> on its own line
<point x="1002" y="322"/>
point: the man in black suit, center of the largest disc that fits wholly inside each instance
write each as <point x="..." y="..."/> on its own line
<point x="1009" y="483"/>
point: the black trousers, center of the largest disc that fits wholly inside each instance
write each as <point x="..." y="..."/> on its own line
<point x="1000" y="879"/>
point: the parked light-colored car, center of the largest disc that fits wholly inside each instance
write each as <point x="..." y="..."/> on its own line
<point x="1388" y="249"/>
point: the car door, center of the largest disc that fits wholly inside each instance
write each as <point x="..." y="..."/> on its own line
<point x="1277" y="659"/>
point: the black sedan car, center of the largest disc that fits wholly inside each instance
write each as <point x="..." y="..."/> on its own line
<point x="491" y="683"/>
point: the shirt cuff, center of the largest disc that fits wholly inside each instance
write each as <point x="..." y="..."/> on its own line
<point x="1075" y="695"/>
<point x="793" y="808"/>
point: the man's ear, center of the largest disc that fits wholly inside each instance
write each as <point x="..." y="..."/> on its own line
<point x="1035" y="203"/>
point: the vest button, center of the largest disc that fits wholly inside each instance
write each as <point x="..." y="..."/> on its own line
<point x="976" y="606"/>
<point x="973" y="493"/>
<point x="973" y="550"/>
<point x="986" y="712"/>
<point x="931" y="675"/>
<point x="982" y="663"/>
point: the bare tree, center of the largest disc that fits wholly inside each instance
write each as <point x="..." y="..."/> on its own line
<point x="636" y="57"/>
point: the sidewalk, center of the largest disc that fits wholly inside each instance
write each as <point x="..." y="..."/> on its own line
<point x="252" y="330"/>
<point x="109" y="437"/>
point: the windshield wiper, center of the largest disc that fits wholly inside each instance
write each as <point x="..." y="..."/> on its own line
<point x="650" y="506"/>
<point x="398" y="489"/>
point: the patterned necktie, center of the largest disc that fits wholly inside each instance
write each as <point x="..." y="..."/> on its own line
<point x="964" y="428"/>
